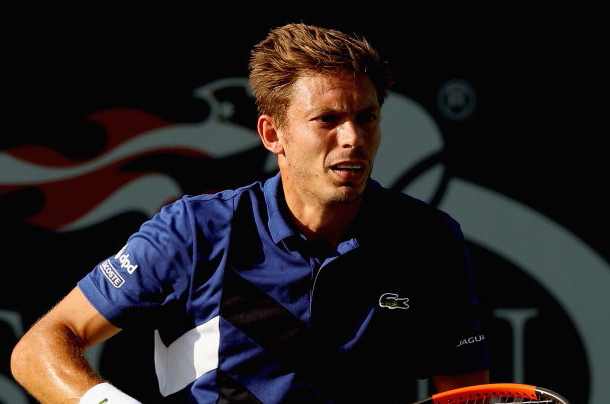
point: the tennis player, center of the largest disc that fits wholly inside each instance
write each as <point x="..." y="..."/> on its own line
<point x="316" y="285"/>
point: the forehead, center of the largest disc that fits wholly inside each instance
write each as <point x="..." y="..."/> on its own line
<point x="334" y="91"/>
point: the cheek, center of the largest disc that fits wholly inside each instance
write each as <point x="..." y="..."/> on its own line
<point x="309" y="145"/>
<point x="374" y="141"/>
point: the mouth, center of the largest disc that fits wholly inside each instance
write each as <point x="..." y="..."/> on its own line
<point x="350" y="168"/>
<point x="350" y="172"/>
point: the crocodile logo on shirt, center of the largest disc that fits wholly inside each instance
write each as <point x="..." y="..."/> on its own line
<point x="392" y="301"/>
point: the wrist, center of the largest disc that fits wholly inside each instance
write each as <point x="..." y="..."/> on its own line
<point x="106" y="393"/>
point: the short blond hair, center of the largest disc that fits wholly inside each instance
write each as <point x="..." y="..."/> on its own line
<point x="294" y="50"/>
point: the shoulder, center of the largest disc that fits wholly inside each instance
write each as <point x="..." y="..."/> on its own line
<point x="204" y="212"/>
<point x="214" y="203"/>
<point x="397" y="208"/>
<point x="224" y="197"/>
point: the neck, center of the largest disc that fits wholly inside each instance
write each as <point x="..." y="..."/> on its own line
<point x="324" y="225"/>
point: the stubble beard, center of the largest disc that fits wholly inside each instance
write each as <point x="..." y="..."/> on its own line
<point x="319" y="188"/>
<point x="334" y="195"/>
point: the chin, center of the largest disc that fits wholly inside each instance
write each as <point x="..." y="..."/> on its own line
<point x="346" y="195"/>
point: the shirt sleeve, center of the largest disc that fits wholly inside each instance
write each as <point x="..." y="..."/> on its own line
<point x="150" y="272"/>
<point x="455" y="331"/>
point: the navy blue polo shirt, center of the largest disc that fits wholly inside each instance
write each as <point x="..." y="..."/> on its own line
<point x="245" y="311"/>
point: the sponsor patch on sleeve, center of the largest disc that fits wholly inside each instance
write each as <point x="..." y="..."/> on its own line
<point x="124" y="260"/>
<point x="111" y="274"/>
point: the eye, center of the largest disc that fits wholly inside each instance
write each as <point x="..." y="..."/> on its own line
<point x="328" y="118"/>
<point x="367" y="117"/>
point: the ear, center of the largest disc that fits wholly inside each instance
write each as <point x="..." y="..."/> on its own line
<point x="268" y="132"/>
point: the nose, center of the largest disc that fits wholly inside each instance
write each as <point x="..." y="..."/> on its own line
<point x="350" y="135"/>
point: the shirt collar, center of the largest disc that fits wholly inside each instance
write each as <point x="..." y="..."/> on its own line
<point x="279" y="223"/>
<point x="277" y="211"/>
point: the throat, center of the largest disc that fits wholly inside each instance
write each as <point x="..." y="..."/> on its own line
<point x="323" y="240"/>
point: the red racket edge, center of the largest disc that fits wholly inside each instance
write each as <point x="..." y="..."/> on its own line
<point x="485" y="392"/>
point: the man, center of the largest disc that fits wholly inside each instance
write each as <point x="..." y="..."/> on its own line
<point x="316" y="286"/>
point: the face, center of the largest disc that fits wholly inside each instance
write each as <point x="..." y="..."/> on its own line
<point x="328" y="144"/>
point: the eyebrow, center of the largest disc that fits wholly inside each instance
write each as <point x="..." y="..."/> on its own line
<point x="324" y="109"/>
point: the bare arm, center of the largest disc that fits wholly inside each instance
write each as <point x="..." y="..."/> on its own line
<point x="448" y="382"/>
<point x="48" y="361"/>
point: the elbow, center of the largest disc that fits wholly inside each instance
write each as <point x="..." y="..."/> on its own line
<point x="26" y="355"/>
<point x="19" y="361"/>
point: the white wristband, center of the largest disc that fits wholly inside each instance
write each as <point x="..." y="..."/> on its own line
<point x="106" y="393"/>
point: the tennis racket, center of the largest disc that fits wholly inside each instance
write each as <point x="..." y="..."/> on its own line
<point x="496" y="393"/>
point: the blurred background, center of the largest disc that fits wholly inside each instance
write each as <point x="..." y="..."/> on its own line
<point x="496" y="117"/>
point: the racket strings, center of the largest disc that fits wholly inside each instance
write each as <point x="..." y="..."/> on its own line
<point x="494" y="398"/>
<point x="500" y="393"/>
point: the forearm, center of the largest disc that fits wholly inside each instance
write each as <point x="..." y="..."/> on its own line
<point x="49" y="363"/>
